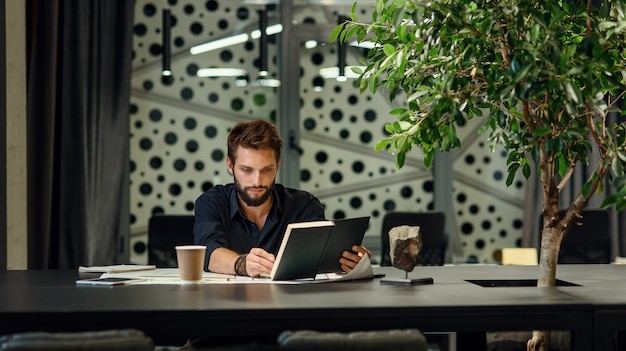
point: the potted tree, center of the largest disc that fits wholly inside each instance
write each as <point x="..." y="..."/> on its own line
<point x="546" y="76"/>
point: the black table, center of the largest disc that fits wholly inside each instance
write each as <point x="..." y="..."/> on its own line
<point x="171" y="314"/>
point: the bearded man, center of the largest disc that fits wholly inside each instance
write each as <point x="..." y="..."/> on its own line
<point x="242" y="223"/>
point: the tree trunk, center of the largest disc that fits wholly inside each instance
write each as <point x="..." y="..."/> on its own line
<point x="551" y="238"/>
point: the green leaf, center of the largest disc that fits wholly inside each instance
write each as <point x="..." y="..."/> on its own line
<point x="335" y="33"/>
<point x="389" y="49"/>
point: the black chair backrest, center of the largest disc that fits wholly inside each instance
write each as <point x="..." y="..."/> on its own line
<point x="432" y="229"/>
<point x="589" y="242"/>
<point x="164" y="233"/>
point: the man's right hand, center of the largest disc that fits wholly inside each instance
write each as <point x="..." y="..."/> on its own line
<point x="259" y="261"/>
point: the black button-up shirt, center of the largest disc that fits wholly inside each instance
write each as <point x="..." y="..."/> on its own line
<point x="220" y="223"/>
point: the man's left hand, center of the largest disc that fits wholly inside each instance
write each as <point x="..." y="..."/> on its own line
<point x="349" y="259"/>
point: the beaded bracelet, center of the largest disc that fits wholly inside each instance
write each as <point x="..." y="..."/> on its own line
<point x="240" y="265"/>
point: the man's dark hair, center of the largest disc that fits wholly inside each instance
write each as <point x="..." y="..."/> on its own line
<point x="258" y="134"/>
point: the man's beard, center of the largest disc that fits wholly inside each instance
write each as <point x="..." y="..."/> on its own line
<point x="250" y="201"/>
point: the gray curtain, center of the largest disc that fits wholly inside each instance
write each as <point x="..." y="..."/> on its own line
<point x="534" y="202"/>
<point x="79" y="69"/>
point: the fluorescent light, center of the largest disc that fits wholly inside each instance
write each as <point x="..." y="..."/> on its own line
<point x="166" y="72"/>
<point x="267" y="82"/>
<point x="221" y="72"/>
<point x="333" y="72"/>
<point x="219" y="43"/>
<point x="271" y="30"/>
<point x="310" y="44"/>
<point x="234" y="40"/>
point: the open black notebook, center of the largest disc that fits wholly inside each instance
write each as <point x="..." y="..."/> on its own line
<point x="309" y="248"/>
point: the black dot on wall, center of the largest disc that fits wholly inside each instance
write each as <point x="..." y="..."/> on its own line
<point x="149" y="10"/>
<point x="133" y="108"/>
<point x="179" y="42"/>
<point x="191" y="184"/>
<point x="353" y="119"/>
<point x="517" y="224"/>
<point x="189" y="9"/>
<point x="389" y="205"/>
<point x="192" y="69"/>
<point x="189" y="206"/>
<point x="210" y="132"/>
<point x="321" y="157"/>
<point x="161" y="178"/>
<point x="358" y="166"/>
<point x="180" y="165"/>
<point x="486" y="225"/>
<point x="243" y="13"/>
<point x="156" y="162"/>
<point x="467" y="228"/>
<point x="336" y="177"/>
<point x="336" y="115"/>
<point x="206" y="186"/>
<point x="469" y="159"/>
<point x="236" y="104"/>
<point x="132" y="166"/>
<point x="211" y="5"/>
<point x="217" y="155"/>
<point x="192" y="146"/>
<point x="339" y="214"/>
<point x="139" y="247"/>
<point x="356" y="202"/>
<point x="309" y="124"/>
<point x="497" y="175"/>
<point x="175" y="189"/>
<point x="145" y="189"/>
<point x="318" y="103"/>
<point x="461" y="198"/>
<point x="155" y="115"/>
<point x="222" y="24"/>
<point x="366" y="137"/>
<point x="140" y="29"/>
<point x="226" y="55"/>
<point x="317" y="59"/>
<point x="309" y="20"/>
<point x="370" y="115"/>
<point x="503" y="233"/>
<point x="145" y="144"/>
<point x="196" y="28"/>
<point x="305" y="175"/>
<point x="491" y="208"/>
<point x="199" y="165"/>
<point x="474" y="209"/>
<point x="428" y="186"/>
<point x="344" y="134"/>
<point x="186" y="94"/>
<point x="148" y="85"/>
<point x="372" y="196"/>
<point x="157" y="210"/>
<point x="480" y="244"/>
<point x="190" y="123"/>
<point x="406" y="192"/>
<point x="486" y="160"/>
<point x="171" y="138"/>
<point x="353" y="99"/>
<point x="213" y="97"/>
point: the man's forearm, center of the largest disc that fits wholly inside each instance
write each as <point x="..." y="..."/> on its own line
<point x="222" y="260"/>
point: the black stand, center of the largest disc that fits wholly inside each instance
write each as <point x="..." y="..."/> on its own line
<point x="406" y="280"/>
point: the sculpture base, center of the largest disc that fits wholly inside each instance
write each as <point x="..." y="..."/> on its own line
<point x="406" y="281"/>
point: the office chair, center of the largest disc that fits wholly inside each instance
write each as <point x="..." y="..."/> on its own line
<point x="589" y="242"/>
<point x="164" y="233"/>
<point x="432" y="228"/>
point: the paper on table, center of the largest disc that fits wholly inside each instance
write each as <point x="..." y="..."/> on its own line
<point x="160" y="276"/>
<point x="116" y="268"/>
